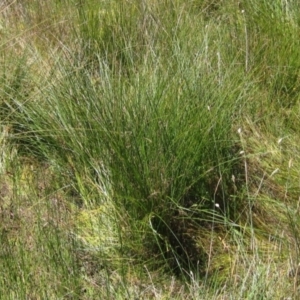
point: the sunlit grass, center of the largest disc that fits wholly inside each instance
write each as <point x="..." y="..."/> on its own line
<point x="149" y="149"/>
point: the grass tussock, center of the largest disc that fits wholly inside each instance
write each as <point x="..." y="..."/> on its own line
<point x="149" y="149"/>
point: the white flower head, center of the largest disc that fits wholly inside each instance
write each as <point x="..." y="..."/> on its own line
<point x="290" y="163"/>
<point x="233" y="178"/>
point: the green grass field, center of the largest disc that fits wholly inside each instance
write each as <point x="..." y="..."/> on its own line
<point x="149" y="149"/>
